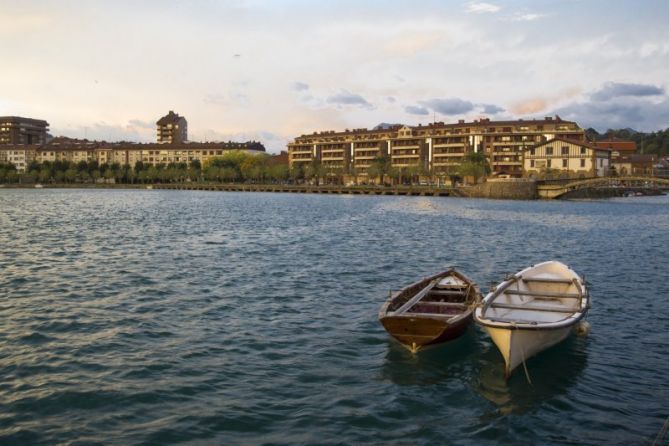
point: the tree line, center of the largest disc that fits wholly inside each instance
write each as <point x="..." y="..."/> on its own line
<point x="656" y="143"/>
<point x="233" y="166"/>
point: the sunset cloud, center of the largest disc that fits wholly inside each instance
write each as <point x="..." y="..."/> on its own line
<point x="482" y="8"/>
<point x="328" y="65"/>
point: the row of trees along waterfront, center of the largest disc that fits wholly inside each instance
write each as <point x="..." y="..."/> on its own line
<point x="656" y="143"/>
<point x="233" y="166"/>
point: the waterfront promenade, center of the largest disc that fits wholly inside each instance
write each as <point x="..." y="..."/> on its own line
<point x="512" y="189"/>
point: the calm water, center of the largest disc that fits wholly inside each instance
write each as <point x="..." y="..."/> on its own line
<point x="148" y="317"/>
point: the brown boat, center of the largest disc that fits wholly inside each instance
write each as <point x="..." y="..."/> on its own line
<point x="433" y="310"/>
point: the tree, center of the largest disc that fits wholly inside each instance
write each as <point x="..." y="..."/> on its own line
<point x="70" y="175"/>
<point x="297" y="172"/>
<point x="475" y="164"/>
<point x="380" y="167"/>
<point x="313" y="170"/>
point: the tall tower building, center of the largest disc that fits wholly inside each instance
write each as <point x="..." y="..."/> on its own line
<point x="172" y="129"/>
<point x="17" y="130"/>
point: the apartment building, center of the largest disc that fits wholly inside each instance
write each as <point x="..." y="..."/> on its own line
<point x="18" y="130"/>
<point x="75" y="151"/>
<point x="436" y="148"/>
<point x="573" y="158"/>
<point x="18" y="155"/>
<point x="172" y="129"/>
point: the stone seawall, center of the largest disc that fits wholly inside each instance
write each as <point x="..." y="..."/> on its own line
<point x="503" y="189"/>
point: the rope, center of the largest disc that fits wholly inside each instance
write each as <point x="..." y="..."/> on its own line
<point x="527" y="374"/>
<point x="662" y="433"/>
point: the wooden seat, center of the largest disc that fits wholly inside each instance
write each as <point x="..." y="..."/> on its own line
<point x="442" y="304"/>
<point x="546" y="280"/>
<point x="543" y="294"/>
<point x="513" y="321"/>
<point x="440" y="315"/>
<point x="435" y="292"/>
<point x="533" y="308"/>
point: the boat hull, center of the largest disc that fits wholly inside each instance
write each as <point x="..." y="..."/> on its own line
<point x="432" y="310"/>
<point x="415" y="332"/>
<point x="533" y="310"/>
<point x="518" y="345"/>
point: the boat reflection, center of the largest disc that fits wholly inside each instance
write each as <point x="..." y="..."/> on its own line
<point x="551" y="374"/>
<point x="432" y="364"/>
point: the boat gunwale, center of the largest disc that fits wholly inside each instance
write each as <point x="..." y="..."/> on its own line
<point x="467" y="312"/>
<point x="488" y="300"/>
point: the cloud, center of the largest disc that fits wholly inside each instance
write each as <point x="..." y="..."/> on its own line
<point x="453" y="106"/>
<point x="345" y="97"/>
<point x="391" y="99"/>
<point x="527" y="17"/>
<point x="233" y="98"/>
<point x="299" y="86"/>
<point x="410" y="42"/>
<point x="612" y="90"/>
<point x="11" y="22"/>
<point x="491" y="109"/>
<point x="482" y="8"/>
<point x="639" y="114"/>
<point x="620" y="105"/>
<point x="416" y="110"/>
<point x="529" y="106"/>
<point x="101" y="131"/>
<point x="142" y="124"/>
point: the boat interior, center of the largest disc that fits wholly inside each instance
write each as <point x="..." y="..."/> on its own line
<point x="541" y="298"/>
<point x="447" y="296"/>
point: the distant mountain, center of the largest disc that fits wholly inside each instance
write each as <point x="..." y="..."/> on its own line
<point x="385" y="126"/>
<point x="626" y="133"/>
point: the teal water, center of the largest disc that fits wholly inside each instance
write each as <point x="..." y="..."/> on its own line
<point x="155" y="317"/>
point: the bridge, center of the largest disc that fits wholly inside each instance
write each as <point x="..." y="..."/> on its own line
<point x="605" y="186"/>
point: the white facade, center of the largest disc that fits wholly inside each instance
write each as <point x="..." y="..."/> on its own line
<point x="573" y="157"/>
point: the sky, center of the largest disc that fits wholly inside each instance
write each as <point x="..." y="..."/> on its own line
<point x="273" y="70"/>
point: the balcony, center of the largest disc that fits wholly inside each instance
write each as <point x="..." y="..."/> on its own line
<point x="448" y="155"/>
<point x="507" y="163"/>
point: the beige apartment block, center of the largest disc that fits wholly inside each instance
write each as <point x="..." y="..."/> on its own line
<point x="437" y="148"/>
<point x="75" y="151"/>
<point x="577" y="159"/>
<point x="18" y="155"/>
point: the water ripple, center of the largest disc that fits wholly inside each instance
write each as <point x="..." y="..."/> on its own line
<point x="156" y="317"/>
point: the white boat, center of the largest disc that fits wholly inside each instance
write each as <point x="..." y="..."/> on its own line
<point x="532" y="310"/>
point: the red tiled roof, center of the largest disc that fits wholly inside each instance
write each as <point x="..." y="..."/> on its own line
<point x="483" y="122"/>
<point x="617" y="144"/>
<point x="573" y="141"/>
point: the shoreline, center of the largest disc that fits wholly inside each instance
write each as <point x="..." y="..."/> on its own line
<point x="524" y="191"/>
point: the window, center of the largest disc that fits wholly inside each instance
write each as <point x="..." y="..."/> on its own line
<point x="565" y="150"/>
<point x="549" y="150"/>
<point x="531" y="163"/>
<point x="583" y="150"/>
<point x="582" y="163"/>
<point x="549" y="163"/>
<point x="531" y="151"/>
<point x="565" y="163"/>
